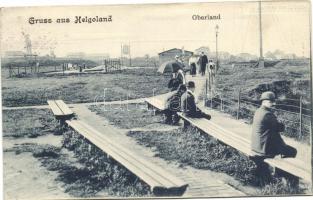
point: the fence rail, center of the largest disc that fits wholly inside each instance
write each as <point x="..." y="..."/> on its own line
<point x="236" y="104"/>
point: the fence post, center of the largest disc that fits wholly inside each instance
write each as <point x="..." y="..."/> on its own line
<point x="206" y="91"/>
<point x="221" y="102"/>
<point x="300" y="116"/>
<point x="211" y="96"/>
<point x="238" y="109"/>
<point x="10" y="71"/>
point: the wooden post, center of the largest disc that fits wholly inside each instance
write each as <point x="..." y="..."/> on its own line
<point x="18" y="70"/>
<point x="63" y="68"/>
<point x="238" y="109"/>
<point x="211" y="96"/>
<point x="221" y="103"/>
<point x="25" y="69"/>
<point x="55" y="68"/>
<point x="206" y="91"/>
<point x="10" y="71"/>
<point x="300" y="117"/>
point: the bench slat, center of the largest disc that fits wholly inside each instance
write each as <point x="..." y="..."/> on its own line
<point x="160" y="101"/>
<point x="290" y="165"/>
<point x="204" y="125"/>
<point x="162" y="173"/>
<point x="65" y="109"/>
<point x="55" y="108"/>
<point x="131" y="162"/>
<point x="106" y="147"/>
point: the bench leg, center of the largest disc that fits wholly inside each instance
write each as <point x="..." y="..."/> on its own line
<point x="262" y="171"/>
<point x="289" y="178"/>
<point x="186" y="124"/>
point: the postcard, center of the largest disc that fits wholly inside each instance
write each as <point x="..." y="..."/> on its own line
<point x="181" y="100"/>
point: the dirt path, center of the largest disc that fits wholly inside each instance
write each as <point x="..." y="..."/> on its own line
<point x="203" y="183"/>
<point x="24" y="177"/>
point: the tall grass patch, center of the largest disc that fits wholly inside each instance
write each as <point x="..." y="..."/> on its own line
<point x="127" y="115"/>
<point x="193" y="148"/>
<point x="28" y="122"/>
<point x="103" y="172"/>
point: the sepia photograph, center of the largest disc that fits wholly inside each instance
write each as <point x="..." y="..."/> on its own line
<point x="165" y="100"/>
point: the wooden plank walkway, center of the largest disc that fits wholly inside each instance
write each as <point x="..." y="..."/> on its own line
<point x="201" y="183"/>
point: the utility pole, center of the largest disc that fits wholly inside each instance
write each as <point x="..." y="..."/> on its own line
<point x="130" y="58"/>
<point x="261" y="59"/>
<point x="121" y="54"/>
<point x="216" y="35"/>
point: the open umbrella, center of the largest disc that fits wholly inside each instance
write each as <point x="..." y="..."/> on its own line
<point x="170" y="67"/>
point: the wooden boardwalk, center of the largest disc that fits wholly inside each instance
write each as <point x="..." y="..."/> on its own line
<point x="201" y="182"/>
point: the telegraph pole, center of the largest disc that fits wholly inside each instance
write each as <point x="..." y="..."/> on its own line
<point x="261" y="59"/>
<point x="216" y="36"/>
<point x="130" y="58"/>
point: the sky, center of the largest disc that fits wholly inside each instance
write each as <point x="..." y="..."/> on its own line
<point x="150" y="29"/>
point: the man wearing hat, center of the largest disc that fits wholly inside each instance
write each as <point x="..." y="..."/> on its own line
<point x="266" y="140"/>
<point x="203" y="61"/>
<point x="188" y="104"/>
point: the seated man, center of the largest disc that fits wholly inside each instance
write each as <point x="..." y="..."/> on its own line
<point x="266" y="140"/>
<point x="188" y="104"/>
<point x="174" y="106"/>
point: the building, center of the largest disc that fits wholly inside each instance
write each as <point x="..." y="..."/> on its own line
<point x="14" y="54"/>
<point x="76" y="55"/>
<point x="170" y="54"/>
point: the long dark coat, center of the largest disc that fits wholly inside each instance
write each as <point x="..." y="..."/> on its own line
<point x="203" y="60"/>
<point x="266" y="139"/>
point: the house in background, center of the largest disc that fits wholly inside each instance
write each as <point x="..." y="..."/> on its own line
<point x="170" y="54"/>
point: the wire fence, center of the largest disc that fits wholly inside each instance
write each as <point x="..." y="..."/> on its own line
<point x="296" y="118"/>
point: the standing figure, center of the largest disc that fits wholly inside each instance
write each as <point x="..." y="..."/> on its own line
<point x="203" y="61"/>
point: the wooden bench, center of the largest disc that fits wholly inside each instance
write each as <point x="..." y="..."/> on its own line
<point x="161" y="182"/>
<point x="60" y="110"/>
<point x="292" y="166"/>
<point x="159" y="102"/>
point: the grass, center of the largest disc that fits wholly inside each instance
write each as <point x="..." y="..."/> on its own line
<point x="197" y="150"/>
<point x="103" y="172"/>
<point x="131" y="84"/>
<point x="286" y="80"/>
<point x="127" y="116"/>
<point x="191" y="148"/>
<point x="28" y="123"/>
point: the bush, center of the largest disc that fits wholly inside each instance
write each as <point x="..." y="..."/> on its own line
<point x="47" y="151"/>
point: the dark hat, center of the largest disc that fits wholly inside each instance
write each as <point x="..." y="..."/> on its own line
<point x="182" y="88"/>
<point x="268" y="96"/>
<point x="191" y="84"/>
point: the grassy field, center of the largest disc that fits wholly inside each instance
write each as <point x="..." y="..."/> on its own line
<point x="28" y="123"/>
<point x="289" y="82"/>
<point x="129" y="84"/>
<point x="127" y="116"/>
